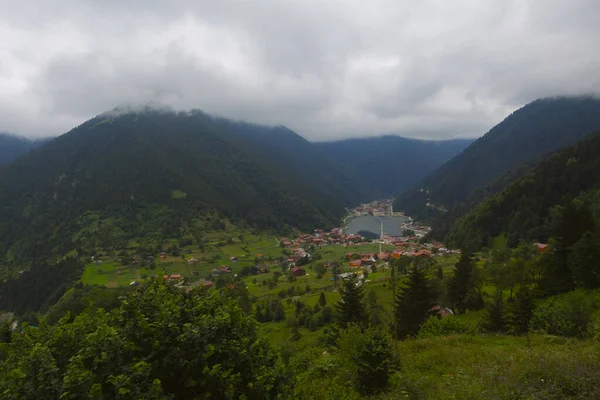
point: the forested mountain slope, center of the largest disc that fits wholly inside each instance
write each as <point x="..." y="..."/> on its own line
<point x="388" y="165"/>
<point x="147" y="174"/>
<point x="298" y="158"/>
<point x="12" y="146"/>
<point x="524" y="210"/>
<point x="537" y="129"/>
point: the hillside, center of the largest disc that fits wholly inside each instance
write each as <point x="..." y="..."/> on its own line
<point x="388" y="165"/>
<point x="12" y="146"/>
<point x="528" y="134"/>
<point x="523" y="210"/>
<point x="152" y="174"/>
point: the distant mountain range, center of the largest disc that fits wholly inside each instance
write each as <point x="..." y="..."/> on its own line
<point x="502" y="155"/>
<point x="389" y="165"/>
<point x="12" y="146"/>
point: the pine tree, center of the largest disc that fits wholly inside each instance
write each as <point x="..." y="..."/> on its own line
<point x="414" y="304"/>
<point x="521" y="312"/>
<point x="584" y="261"/>
<point x="375" y="311"/>
<point x="494" y="319"/>
<point x="350" y="308"/>
<point x="461" y="287"/>
<point x="322" y="300"/>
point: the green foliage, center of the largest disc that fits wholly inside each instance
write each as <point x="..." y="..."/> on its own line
<point x="350" y="309"/>
<point x="521" y="312"/>
<point x="463" y="290"/>
<point x="367" y="358"/>
<point x="584" y="261"/>
<point x="414" y="303"/>
<point x="569" y="314"/>
<point x="322" y="299"/>
<point x="160" y="343"/>
<point x="494" y="319"/>
<point x="535" y="206"/>
<point x="436" y="326"/>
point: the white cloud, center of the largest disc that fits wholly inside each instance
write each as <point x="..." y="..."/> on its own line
<point x="327" y="69"/>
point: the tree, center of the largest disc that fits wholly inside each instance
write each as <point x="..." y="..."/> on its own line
<point x="350" y="308"/>
<point x="414" y="304"/>
<point x="462" y="287"/>
<point x="375" y="311"/>
<point x="161" y="342"/>
<point x="320" y="271"/>
<point x="521" y="312"/>
<point x="585" y="261"/>
<point x="494" y="318"/>
<point x="322" y="300"/>
<point x="367" y="358"/>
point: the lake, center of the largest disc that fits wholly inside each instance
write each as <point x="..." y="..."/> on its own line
<point x="391" y="225"/>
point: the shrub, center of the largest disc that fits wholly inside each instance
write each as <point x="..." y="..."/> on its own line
<point x="568" y="314"/>
<point x="367" y="358"/>
<point x="436" y="326"/>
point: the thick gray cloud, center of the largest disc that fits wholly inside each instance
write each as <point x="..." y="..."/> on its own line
<point x="327" y="69"/>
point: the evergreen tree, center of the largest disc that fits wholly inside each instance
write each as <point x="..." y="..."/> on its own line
<point x="585" y="261"/>
<point x="462" y="290"/>
<point x="494" y="319"/>
<point x="414" y="304"/>
<point x="375" y="311"/>
<point x="521" y="312"/>
<point x="322" y="300"/>
<point x="350" y="308"/>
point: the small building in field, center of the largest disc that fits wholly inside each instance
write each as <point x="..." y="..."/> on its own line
<point x="192" y="261"/>
<point x="297" y="271"/>
<point x="355" y="263"/>
<point x="442" y="311"/>
<point x="423" y="253"/>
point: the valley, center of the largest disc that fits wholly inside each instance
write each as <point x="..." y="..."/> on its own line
<point x="185" y="224"/>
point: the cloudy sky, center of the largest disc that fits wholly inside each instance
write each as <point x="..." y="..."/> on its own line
<point x="327" y="69"/>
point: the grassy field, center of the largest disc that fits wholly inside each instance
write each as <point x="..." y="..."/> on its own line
<point x="217" y="251"/>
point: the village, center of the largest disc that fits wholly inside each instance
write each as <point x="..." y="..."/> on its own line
<point x="407" y="246"/>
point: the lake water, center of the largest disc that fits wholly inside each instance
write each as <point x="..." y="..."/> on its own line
<point x="391" y="225"/>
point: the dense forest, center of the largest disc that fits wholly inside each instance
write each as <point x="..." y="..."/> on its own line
<point x="528" y="208"/>
<point x="524" y="137"/>
<point x="389" y="165"/>
<point x="155" y="170"/>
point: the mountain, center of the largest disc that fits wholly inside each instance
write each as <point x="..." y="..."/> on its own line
<point x="526" y="136"/>
<point x="12" y="146"/>
<point x="152" y="175"/>
<point x="388" y="165"/>
<point x="527" y="208"/>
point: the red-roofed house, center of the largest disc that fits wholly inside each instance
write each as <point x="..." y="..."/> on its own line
<point x="396" y="254"/>
<point x="423" y="253"/>
<point x="297" y="271"/>
<point x="541" y="247"/>
<point x="355" y="263"/>
<point x="207" y="284"/>
<point x="383" y="256"/>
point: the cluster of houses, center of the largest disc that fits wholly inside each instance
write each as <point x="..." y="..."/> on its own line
<point x="377" y="208"/>
<point x="222" y="270"/>
<point x="367" y="259"/>
<point x="321" y="238"/>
